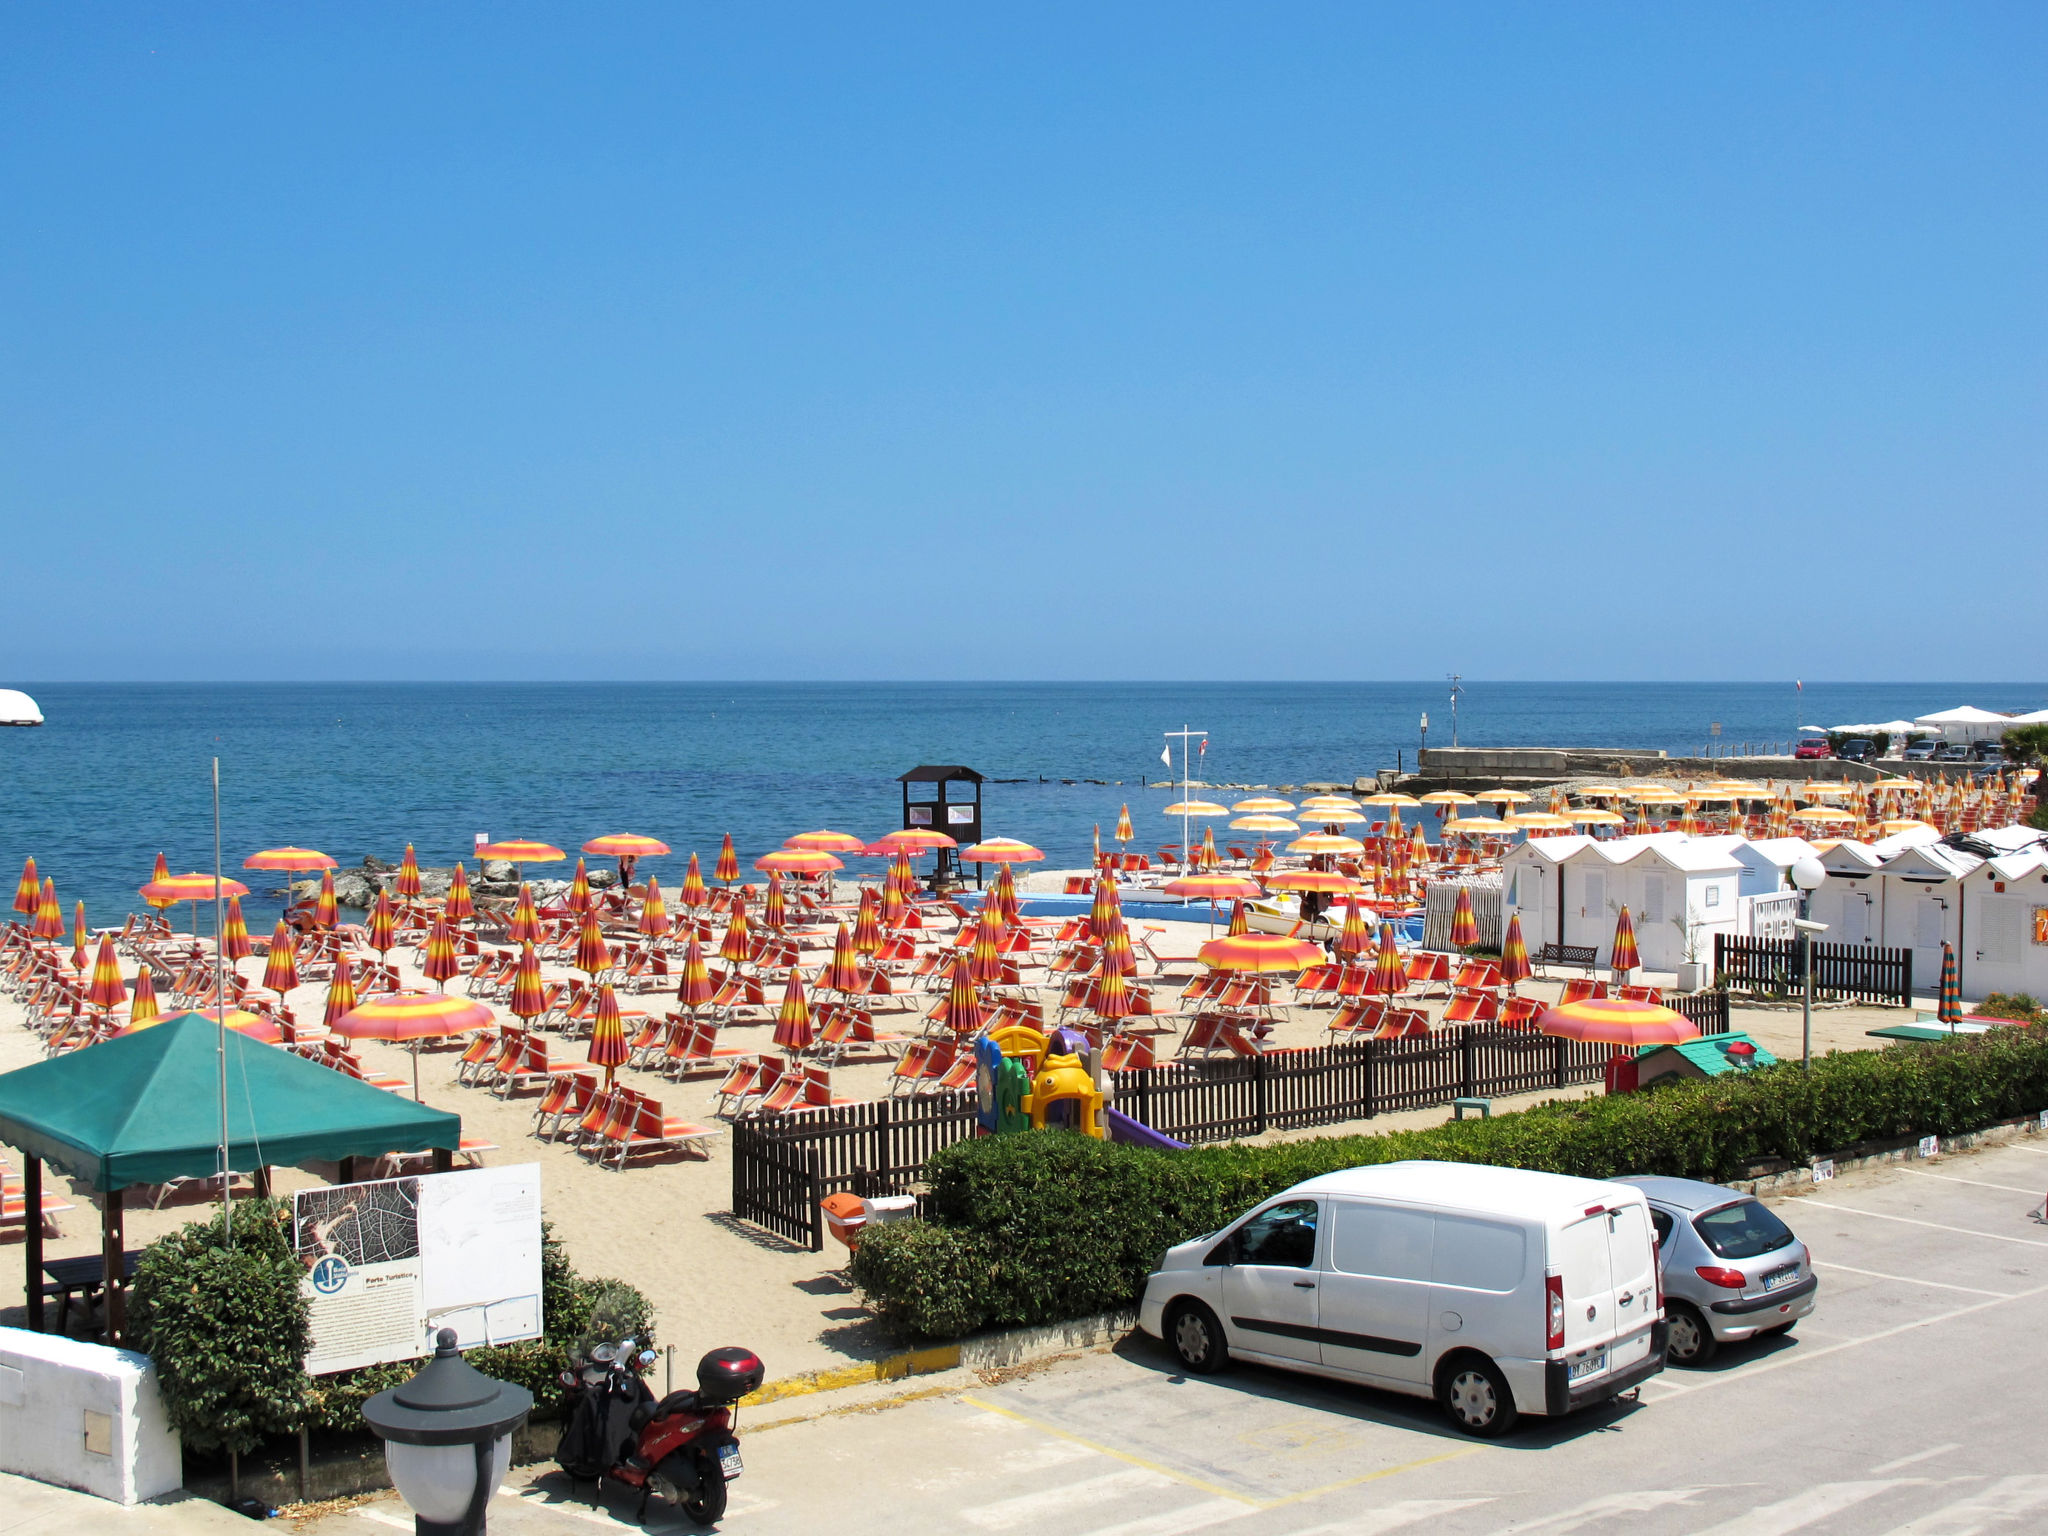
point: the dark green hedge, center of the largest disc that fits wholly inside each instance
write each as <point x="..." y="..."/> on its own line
<point x="1041" y="1226"/>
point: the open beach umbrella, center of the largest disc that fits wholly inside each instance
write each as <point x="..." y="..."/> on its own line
<point x="628" y="848"/>
<point x="407" y="1018"/>
<point x="654" y="923"/>
<point x="341" y="993"/>
<point x="1325" y="843"/>
<point x="798" y="861"/>
<point x="517" y="850"/>
<point x="963" y="1003"/>
<point x="728" y="867"/>
<point x="694" y="893"/>
<point x="525" y="925"/>
<point x="407" y="885"/>
<point x="608" y="1034"/>
<point x="1464" y="923"/>
<point x="1258" y="952"/>
<point x="867" y="925"/>
<point x="1124" y="831"/>
<point x="1389" y="975"/>
<point x="1329" y="803"/>
<point x="1514" y="955"/>
<point x="1502" y="796"/>
<point x="1479" y="826"/>
<point x="826" y="841"/>
<point x="578" y="899"/>
<point x="592" y="953"/>
<point x="915" y="840"/>
<point x="1392" y="800"/>
<point x="529" y="995"/>
<point x="383" y="924"/>
<point x="1211" y="888"/>
<point x="1444" y="799"/>
<point x="1001" y="850"/>
<point x="1617" y="1021"/>
<point x="842" y="971"/>
<point x="1537" y="821"/>
<point x="458" y="906"/>
<point x="775" y="906"/>
<point x="793" y="1030"/>
<point x="281" y="966"/>
<point x="107" y="990"/>
<point x="143" y="1008"/>
<point x="1264" y="821"/>
<point x="1256" y="805"/>
<point x="194" y="888"/>
<point x="326" y="909"/>
<point x="694" y="989"/>
<point x="1240" y="921"/>
<point x="1623" y="957"/>
<point x="438" y="962"/>
<point x="1327" y="882"/>
<point x="28" y="891"/>
<point x="1196" y="808"/>
<point x="1948" y="1007"/>
<point x="234" y="933"/>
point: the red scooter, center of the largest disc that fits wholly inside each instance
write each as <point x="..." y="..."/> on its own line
<point x="681" y="1449"/>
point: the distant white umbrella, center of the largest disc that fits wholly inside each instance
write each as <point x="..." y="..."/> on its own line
<point x="17" y="708"/>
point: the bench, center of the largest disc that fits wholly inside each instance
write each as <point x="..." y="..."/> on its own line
<point x="1483" y="1106"/>
<point x="1581" y="955"/>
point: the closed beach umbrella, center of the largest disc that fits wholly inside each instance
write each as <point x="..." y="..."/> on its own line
<point x="1949" y="1006"/>
<point x="1124" y="832"/>
<point x="775" y="907"/>
<point x="1464" y="924"/>
<point x="1624" y="958"/>
<point x="1240" y="920"/>
<point x="407" y="884"/>
<point x="737" y="946"/>
<point x="234" y="934"/>
<point x="439" y="962"/>
<point x="161" y="872"/>
<point x="607" y="1034"/>
<point x="1102" y="912"/>
<point x="1004" y="897"/>
<point x="529" y="996"/>
<point x="894" y="908"/>
<point x="694" y="893"/>
<point x="459" y="905"/>
<point x="987" y="951"/>
<point x="1112" y="1000"/>
<point x="107" y="990"/>
<point x="525" y="925"/>
<point x="654" y="923"/>
<point x="1353" y="940"/>
<point x="826" y="841"/>
<point x="1388" y="974"/>
<point x="143" y="1009"/>
<point x="728" y="869"/>
<point x="1007" y="850"/>
<point x="281" y="966"/>
<point x="963" y="1003"/>
<point x="383" y="925"/>
<point x="1514" y="955"/>
<point x="341" y="993"/>
<point x="793" y="1019"/>
<point x="842" y="972"/>
<point x="1258" y="952"/>
<point x="326" y="910"/>
<point x="694" y="990"/>
<point x="49" y="923"/>
<point x="1117" y="953"/>
<point x="592" y="953"/>
<point x="578" y="900"/>
<point x="1418" y="845"/>
<point x="79" y="958"/>
<point x="28" y="891"/>
<point x="867" y="926"/>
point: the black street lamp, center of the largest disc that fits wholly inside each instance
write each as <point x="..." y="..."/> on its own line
<point x="447" y="1437"/>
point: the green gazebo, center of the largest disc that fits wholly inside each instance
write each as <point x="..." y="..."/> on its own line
<point x="144" y="1108"/>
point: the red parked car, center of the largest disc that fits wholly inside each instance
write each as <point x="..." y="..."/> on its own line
<point x="1812" y="747"/>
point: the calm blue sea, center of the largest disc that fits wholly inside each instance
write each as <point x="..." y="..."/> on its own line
<point x="121" y="771"/>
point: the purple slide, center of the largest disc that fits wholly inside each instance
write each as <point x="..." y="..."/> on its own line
<point x="1123" y="1128"/>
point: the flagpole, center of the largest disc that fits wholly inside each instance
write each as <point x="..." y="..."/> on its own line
<point x="220" y="1017"/>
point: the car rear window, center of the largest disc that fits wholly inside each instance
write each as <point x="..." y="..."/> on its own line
<point x="1742" y="1230"/>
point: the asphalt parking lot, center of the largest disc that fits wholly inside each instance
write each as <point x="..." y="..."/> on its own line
<point x="1909" y="1402"/>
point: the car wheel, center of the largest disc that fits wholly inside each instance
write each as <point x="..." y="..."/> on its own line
<point x="1692" y="1341"/>
<point x="1196" y="1338"/>
<point x="1477" y="1397"/>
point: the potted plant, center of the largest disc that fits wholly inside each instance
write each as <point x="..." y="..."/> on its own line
<point x="1691" y="975"/>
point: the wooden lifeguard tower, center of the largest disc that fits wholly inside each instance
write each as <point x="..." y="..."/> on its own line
<point x="929" y="802"/>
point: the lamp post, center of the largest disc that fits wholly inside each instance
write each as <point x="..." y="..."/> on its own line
<point x="1425" y="739"/>
<point x="447" y="1437"/>
<point x="1807" y="874"/>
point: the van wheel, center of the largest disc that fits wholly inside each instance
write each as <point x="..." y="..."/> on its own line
<point x="1692" y="1341"/>
<point x="1477" y="1397"/>
<point x="1196" y="1338"/>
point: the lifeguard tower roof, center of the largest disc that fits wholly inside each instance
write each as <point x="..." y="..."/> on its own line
<point x="939" y="773"/>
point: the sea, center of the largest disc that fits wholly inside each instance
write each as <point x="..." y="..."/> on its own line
<point x="123" y="771"/>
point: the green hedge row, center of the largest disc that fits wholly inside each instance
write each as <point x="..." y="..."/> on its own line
<point x="1041" y="1226"/>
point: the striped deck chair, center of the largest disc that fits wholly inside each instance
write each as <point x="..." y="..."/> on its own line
<point x="566" y="1101"/>
<point x="1403" y="1023"/>
<point x="1520" y="1013"/>
<point x="1473" y="1007"/>
<point x="1641" y="994"/>
<point x="741" y="1080"/>
<point x="1579" y="988"/>
<point x="1429" y="974"/>
<point x="1357" y="1021"/>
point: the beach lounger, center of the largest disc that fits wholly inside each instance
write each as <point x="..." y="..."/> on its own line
<point x="1127" y="1053"/>
<point x="1580" y="988"/>
<point x="1520" y="1013"/>
<point x="635" y="1123"/>
<point x="1472" y="1008"/>
<point x="1429" y="973"/>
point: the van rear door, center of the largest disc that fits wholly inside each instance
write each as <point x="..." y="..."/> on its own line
<point x="1632" y="1255"/>
<point x="1583" y="1259"/>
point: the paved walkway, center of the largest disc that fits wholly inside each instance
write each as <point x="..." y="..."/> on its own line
<point x="36" y="1509"/>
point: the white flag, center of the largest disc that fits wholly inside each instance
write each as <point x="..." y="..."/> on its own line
<point x="1166" y="756"/>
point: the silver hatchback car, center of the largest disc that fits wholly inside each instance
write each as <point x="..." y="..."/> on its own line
<point x="1731" y="1269"/>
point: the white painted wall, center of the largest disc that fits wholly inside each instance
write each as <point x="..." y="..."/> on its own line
<point x="84" y="1416"/>
<point x="1998" y="950"/>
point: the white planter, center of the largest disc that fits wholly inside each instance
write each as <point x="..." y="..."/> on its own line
<point x="1692" y="975"/>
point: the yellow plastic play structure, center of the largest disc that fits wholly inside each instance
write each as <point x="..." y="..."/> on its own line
<point x="1066" y="1079"/>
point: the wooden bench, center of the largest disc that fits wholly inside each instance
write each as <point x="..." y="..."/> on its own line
<point x="1583" y="956"/>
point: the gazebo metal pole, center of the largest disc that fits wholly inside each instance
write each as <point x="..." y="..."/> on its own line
<point x="220" y="1003"/>
<point x="32" y="1231"/>
<point x="112" y="1263"/>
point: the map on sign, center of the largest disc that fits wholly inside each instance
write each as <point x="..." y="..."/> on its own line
<point x="391" y="1261"/>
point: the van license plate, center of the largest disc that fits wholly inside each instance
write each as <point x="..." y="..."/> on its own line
<point x="1592" y="1365"/>
<point x="729" y="1462"/>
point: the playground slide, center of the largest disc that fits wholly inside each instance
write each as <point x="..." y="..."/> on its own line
<point x="1123" y="1128"/>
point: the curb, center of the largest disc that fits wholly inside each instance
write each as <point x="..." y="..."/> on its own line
<point x="1906" y="1150"/>
<point x="986" y="1352"/>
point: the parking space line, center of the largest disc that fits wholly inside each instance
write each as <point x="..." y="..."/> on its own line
<point x="1124" y="1456"/>
<point x="1949" y="1178"/>
<point x="1374" y="1477"/>
<point x="1927" y="1455"/>
<point x="1060" y="1498"/>
<point x="1939" y="1226"/>
<point x="1391" y="1517"/>
<point x="1804" y="1508"/>
<point x="2004" y="1501"/>
<point x="1939" y="1285"/>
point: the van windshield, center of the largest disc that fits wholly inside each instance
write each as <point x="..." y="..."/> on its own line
<point x="1742" y="1230"/>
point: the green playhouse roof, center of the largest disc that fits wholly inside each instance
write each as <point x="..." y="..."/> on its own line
<point x="1710" y="1053"/>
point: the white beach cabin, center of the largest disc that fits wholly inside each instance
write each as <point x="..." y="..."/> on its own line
<point x="2004" y="903"/>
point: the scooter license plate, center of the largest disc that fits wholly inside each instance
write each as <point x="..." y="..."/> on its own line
<point x="729" y="1462"/>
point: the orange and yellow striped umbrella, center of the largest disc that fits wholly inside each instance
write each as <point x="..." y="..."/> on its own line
<point x="107" y="991"/>
<point x="1328" y="881"/>
<point x="1240" y="920"/>
<point x="1102" y="913"/>
<point x="1514" y="954"/>
<point x="1389" y="975"/>
<point x="143" y="1008"/>
<point x="825" y="841"/>
<point x="407" y="884"/>
<point x="287" y="859"/>
<point x="1618" y="1021"/>
<point x="1209" y="859"/>
<point x="592" y="953"/>
<point x="383" y="924"/>
<point x="402" y="1016"/>
<point x="628" y="848"/>
<point x="894" y="907"/>
<point x="608" y="1047"/>
<point x="775" y="906"/>
<point x="986" y="954"/>
<point x="1418" y="846"/>
<point x="654" y="923"/>
<point x="909" y="840"/>
<point x="341" y="993"/>
<point x="161" y="872"/>
<point x="234" y="933"/>
<point x="326" y="910"/>
<point x="793" y="1019"/>
<point x="694" y="893"/>
<point x="254" y="1025"/>
<point x="1624" y="957"/>
<point x="842" y="972"/>
<point x="459" y="905"/>
<point x="1464" y="922"/>
<point x="1004" y="896"/>
<point x="963" y="1003"/>
<point x="517" y="850"/>
<point x="798" y="861"/>
<point x="49" y="923"/>
<point x="1325" y="842"/>
<point x="28" y="892"/>
<point x="79" y="958"/>
<point x="578" y="900"/>
<point x="1112" y="994"/>
<point x="529" y="994"/>
<point x="1117" y="953"/>
<point x="525" y="925"/>
<point x="1258" y="952"/>
<point x="1124" y="832"/>
<point x="193" y="887"/>
<point x="867" y="926"/>
<point x="1353" y="941"/>
<point x="906" y="877"/>
<point x="737" y="947"/>
<point x="281" y="967"/>
<point x="728" y="869"/>
<point x="695" y="988"/>
<point x="1001" y="850"/>
<point x="438" y="963"/>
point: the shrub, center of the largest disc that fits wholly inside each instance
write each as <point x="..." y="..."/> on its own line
<point x="1043" y="1225"/>
<point x="2011" y="1005"/>
<point x="227" y="1327"/>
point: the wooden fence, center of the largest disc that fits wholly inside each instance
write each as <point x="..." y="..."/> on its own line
<point x="1856" y="971"/>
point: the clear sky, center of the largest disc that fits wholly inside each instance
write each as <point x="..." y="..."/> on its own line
<point x="1099" y="341"/>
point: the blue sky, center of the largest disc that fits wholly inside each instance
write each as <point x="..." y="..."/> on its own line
<point x="690" y="341"/>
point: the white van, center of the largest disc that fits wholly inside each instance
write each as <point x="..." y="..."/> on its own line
<point x="1496" y="1291"/>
